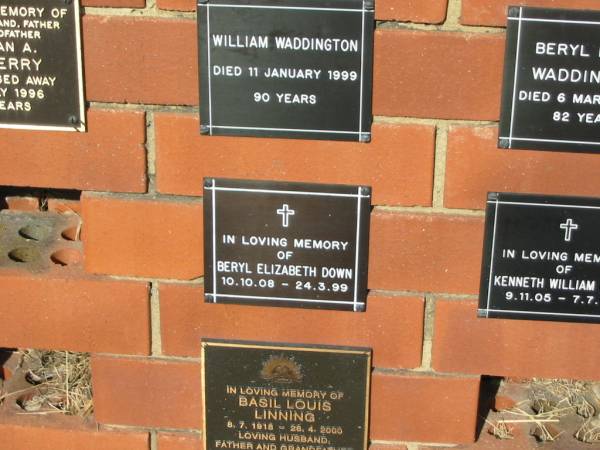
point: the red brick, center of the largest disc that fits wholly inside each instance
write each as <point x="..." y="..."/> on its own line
<point x="110" y="156"/>
<point x="10" y="361"/>
<point x="115" y="3"/>
<point x="517" y="348"/>
<point x="179" y="442"/>
<point x="493" y="12"/>
<point x="63" y="206"/>
<point x="18" y="437"/>
<point x="425" y="252"/>
<point x="185" y="319"/>
<point x="444" y="75"/>
<point x="142" y="236"/>
<point x="502" y="402"/>
<point x="387" y="447"/>
<point x="431" y="11"/>
<point x="177" y="5"/>
<point x="149" y="393"/>
<point x="398" y="155"/>
<point x="16" y="203"/>
<point x="78" y="314"/>
<point x="134" y="60"/>
<point x="439" y="253"/>
<point x="424" y="408"/>
<point x="476" y="166"/>
<point x="437" y="74"/>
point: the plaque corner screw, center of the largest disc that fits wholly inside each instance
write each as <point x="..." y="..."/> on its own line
<point x="503" y="143"/>
<point x="208" y="182"/>
<point x="369" y="4"/>
<point x="73" y="120"/>
<point x="365" y="190"/>
<point x="204" y="129"/>
<point x="208" y="297"/>
<point x="514" y="11"/>
<point x="493" y="196"/>
<point x="364" y="137"/>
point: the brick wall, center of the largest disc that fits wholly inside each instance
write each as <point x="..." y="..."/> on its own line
<point x="137" y="301"/>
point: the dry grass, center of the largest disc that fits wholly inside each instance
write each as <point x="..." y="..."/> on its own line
<point x="549" y="402"/>
<point x="541" y="421"/>
<point x="62" y="383"/>
<point x="565" y="392"/>
<point x="500" y="429"/>
<point x="589" y="432"/>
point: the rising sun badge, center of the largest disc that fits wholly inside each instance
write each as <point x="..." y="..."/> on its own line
<point x="281" y="369"/>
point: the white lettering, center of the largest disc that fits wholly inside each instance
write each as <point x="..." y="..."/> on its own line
<point x="561" y="49"/>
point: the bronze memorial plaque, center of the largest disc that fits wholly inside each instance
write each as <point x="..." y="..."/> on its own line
<point x="260" y="396"/>
<point x="41" y="72"/>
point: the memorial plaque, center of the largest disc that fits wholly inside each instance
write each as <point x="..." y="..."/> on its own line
<point x="551" y="94"/>
<point x="295" y="69"/>
<point x="285" y="397"/>
<point x="286" y="244"/>
<point x="541" y="258"/>
<point x="41" y="81"/>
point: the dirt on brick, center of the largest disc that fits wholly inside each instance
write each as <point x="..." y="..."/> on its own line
<point x="549" y="414"/>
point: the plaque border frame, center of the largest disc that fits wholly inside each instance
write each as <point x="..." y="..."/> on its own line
<point x="368" y="352"/>
<point x="488" y="261"/>
<point x="80" y="126"/>
<point x="511" y="71"/>
<point x="363" y="192"/>
<point x="362" y="136"/>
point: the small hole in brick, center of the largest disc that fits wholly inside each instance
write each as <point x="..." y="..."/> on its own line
<point x="66" y="257"/>
<point x="50" y="381"/>
<point x="24" y="255"/>
<point x="30" y="402"/>
<point x="35" y="232"/>
<point x="71" y="234"/>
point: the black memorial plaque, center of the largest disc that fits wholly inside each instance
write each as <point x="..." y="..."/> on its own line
<point x="541" y="258"/>
<point x="295" y="69"/>
<point x="285" y="397"/>
<point x="41" y="81"/>
<point x="551" y="93"/>
<point x="286" y="244"/>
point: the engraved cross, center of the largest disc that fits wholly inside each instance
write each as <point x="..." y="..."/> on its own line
<point x="285" y="212"/>
<point x="569" y="226"/>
